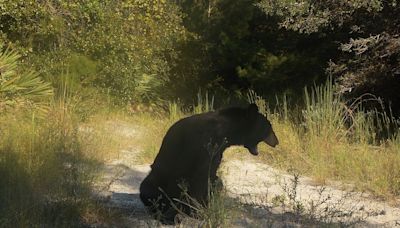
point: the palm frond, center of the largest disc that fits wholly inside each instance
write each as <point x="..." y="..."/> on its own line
<point x="21" y="88"/>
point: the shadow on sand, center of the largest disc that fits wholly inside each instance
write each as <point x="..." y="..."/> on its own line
<point x="122" y="197"/>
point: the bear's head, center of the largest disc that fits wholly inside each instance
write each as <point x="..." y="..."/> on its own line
<point x="259" y="130"/>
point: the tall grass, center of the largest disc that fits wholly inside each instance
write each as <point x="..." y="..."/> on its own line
<point x="325" y="113"/>
<point x="45" y="175"/>
<point x="332" y="139"/>
<point x="205" y="104"/>
<point x="262" y="105"/>
<point x="47" y="169"/>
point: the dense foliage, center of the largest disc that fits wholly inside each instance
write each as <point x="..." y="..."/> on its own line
<point x="115" y="45"/>
<point x="370" y="41"/>
<point x="148" y="50"/>
<point x="243" y="48"/>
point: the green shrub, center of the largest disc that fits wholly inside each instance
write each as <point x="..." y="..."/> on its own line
<point x="21" y="89"/>
<point x="118" y="46"/>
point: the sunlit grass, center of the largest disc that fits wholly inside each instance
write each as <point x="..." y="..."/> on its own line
<point x="48" y="165"/>
<point x="335" y="141"/>
<point x="46" y="177"/>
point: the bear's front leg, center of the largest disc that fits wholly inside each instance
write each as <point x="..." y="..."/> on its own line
<point x="199" y="184"/>
<point x="216" y="182"/>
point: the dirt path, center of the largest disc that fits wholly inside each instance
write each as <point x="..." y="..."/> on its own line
<point x="261" y="184"/>
<point x="271" y="197"/>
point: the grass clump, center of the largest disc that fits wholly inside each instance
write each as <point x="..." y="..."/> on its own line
<point x="219" y="211"/>
<point x="46" y="177"/>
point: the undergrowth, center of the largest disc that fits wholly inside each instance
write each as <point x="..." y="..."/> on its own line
<point x="45" y="176"/>
<point x="48" y="165"/>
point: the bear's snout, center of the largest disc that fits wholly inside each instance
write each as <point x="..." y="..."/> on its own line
<point x="271" y="139"/>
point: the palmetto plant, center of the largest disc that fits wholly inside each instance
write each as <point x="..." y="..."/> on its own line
<point x="21" y="89"/>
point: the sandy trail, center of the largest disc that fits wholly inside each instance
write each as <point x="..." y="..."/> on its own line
<point x="255" y="184"/>
<point x="261" y="184"/>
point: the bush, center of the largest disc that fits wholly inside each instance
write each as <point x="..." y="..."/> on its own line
<point x="21" y="89"/>
<point x="124" y="40"/>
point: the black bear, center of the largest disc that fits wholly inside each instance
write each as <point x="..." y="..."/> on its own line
<point x="191" y="153"/>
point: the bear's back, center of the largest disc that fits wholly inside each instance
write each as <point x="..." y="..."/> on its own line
<point x="186" y="141"/>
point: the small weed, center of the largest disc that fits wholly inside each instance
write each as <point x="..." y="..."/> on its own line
<point x="325" y="208"/>
<point x="218" y="212"/>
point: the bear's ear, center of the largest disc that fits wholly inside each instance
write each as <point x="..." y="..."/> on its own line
<point x="252" y="109"/>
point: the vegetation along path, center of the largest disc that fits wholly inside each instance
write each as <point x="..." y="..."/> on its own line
<point x="267" y="196"/>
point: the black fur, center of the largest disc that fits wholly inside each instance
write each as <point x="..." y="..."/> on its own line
<point x="191" y="153"/>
